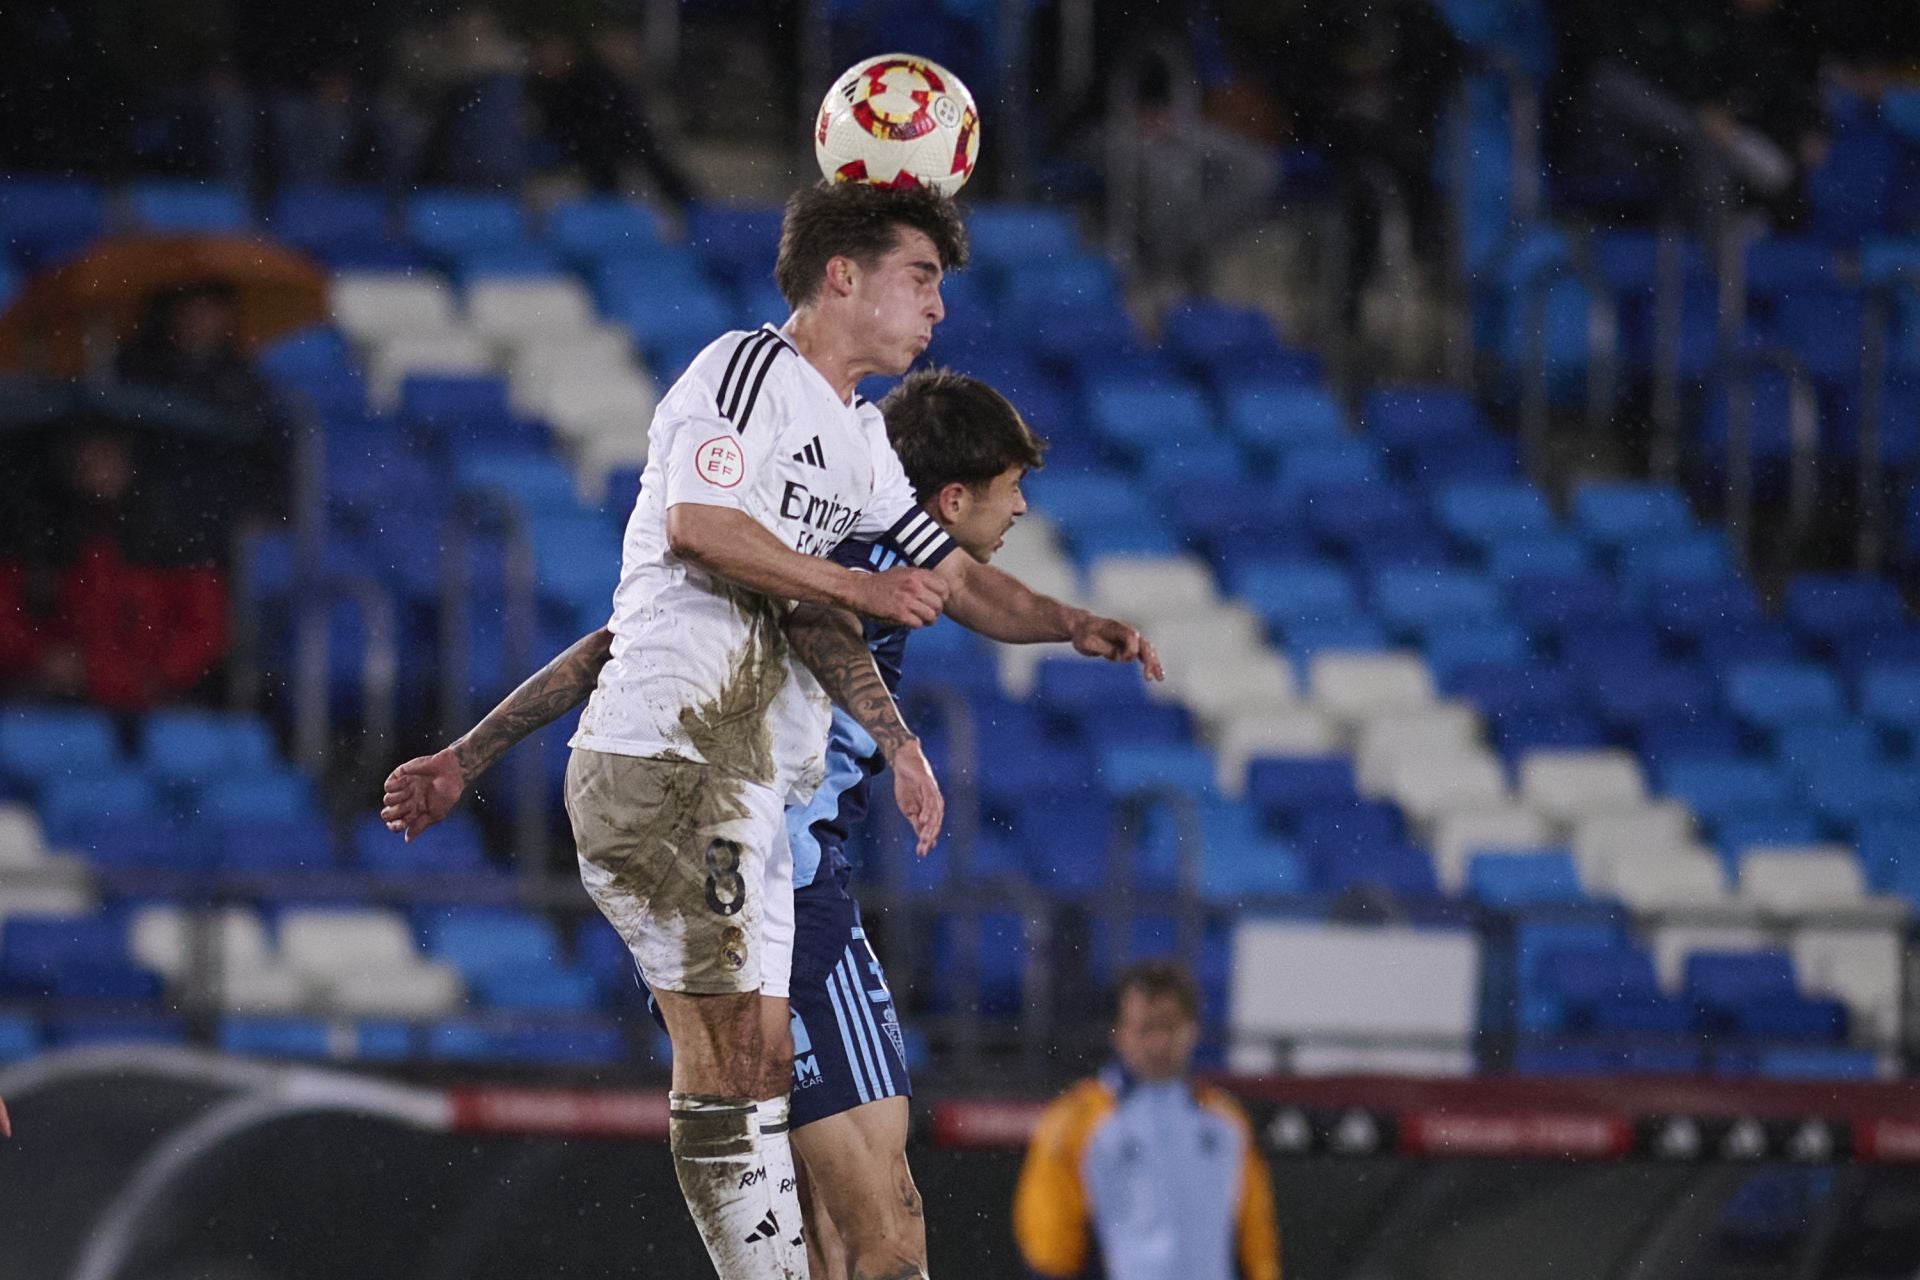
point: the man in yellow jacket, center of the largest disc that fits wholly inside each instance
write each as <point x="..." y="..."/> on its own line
<point x="1141" y="1174"/>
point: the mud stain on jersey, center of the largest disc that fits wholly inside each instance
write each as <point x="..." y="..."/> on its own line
<point x="733" y="730"/>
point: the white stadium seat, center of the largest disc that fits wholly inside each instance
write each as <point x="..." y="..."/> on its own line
<point x="1142" y="588"/>
<point x="1566" y="784"/>
<point x="1226" y="687"/>
<point x="1861" y="967"/>
<point x="1352" y="686"/>
<point x="1668" y="878"/>
<point x="449" y="351"/>
<point x="373" y="307"/>
<point x="1354" y="988"/>
<point x="1430" y="786"/>
<point x="365" y="962"/>
<point x="505" y="310"/>
<point x="1460" y="835"/>
<point x="1665" y="826"/>
<point x="612" y="402"/>
<point x="598" y="455"/>
<point x="1382" y="741"/>
<point x="1802" y="878"/>
<point x="1291" y="734"/>
<point x="251" y="977"/>
<point x="21" y="843"/>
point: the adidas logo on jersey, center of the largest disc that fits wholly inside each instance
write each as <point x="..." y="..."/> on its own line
<point x="813" y="455"/>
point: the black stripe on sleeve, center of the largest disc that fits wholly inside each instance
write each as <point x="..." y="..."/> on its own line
<point x="739" y="349"/>
<point x="730" y="393"/>
<point x="753" y="396"/>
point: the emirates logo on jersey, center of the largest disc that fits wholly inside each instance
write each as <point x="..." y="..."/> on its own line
<point x="826" y="520"/>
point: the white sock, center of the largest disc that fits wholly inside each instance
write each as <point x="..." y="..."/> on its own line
<point x="716" y="1154"/>
<point x="776" y="1153"/>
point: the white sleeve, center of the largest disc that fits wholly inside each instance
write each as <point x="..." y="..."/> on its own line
<point x="895" y="517"/>
<point x="720" y="459"/>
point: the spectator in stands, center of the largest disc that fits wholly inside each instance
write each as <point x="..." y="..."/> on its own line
<point x="1141" y="1163"/>
<point x="188" y="345"/>
<point x="466" y="76"/>
<point x="1717" y="103"/>
<point x="107" y="594"/>
<point x="594" y="108"/>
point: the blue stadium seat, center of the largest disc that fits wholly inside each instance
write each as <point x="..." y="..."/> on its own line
<point x="1615" y="513"/>
<point x="1725" y="980"/>
<point x="1079" y="684"/>
<point x="188" y="206"/>
<point x="1405" y="416"/>
<point x="69" y="806"/>
<point x="1849" y="795"/>
<point x="1139" y="414"/>
<point x="1525" y="689"/>
<point x="1403" y="870"/>
<point x="1792" y="1018"/>
<point x="44" y="219"/>
<point x="1284" y="416"/>
<point x="1475" y="644"/>
<point x="1230" y="346"/>
<point x="1010" y="235"/>
<point x="1525" y="560"/>
<point x="1066" y="842"/>
<point x="276" y="845"/>
<point x="570" y="1041"/>
<point x="1811" y="747"/>
<point x="1304" y="639"/>
<point x="1661" y="742"/>
<point x="1348" y="465"/>
<point x="80" y="1030"/>
<point x="1566" y="1060"/>
<point x="1830" y="607"/>
<point x="1723" y="788"/>
<point x="185" y="745"/>
<point x="1515" y="735"/>
<point x="19" y="1036"/>
<point x="1777" y="695"/>
<point x="457" y="409"/>
<point x="1788" y="824"/>
<point x="1629" y="698"/>
<point x="1330" y="828"/>
<point x="1232" y="872"/>
<point x="342" y="226"/>
<point x="1290" y="590"/>
<point x="576" y="558"/>
<point x="1699" y="559"/>
<point x="1886" y="846"/>
<point x="1293" y="785"/>
<point x="453" y="847"/>
<point x="262" y="798"/>
<point x="1418" y="599"/>
<point x="82" y="959"/>
<point x="255" y="1036"/>
<point x="1483" y="514"/>
<point x="588" y="229"/>
<point x="1890" y="696"/>
<point x="1817" y="1063"/>
<point x="1130" y="768"/>
<point x="1595" y="973"/>
<point x="542" y="485"/>
<point x="454" y="225"/>
<point x="1514" y="880"/>
<point x="1689" y="608"/>
<point x="1595" y="647"/>
<point x="39" y="744"/>
<point x="1563" y="601"/>
<point x="1723" y="649"/>
<point x="1474" y="459"/>
<point x="737" y="242"/>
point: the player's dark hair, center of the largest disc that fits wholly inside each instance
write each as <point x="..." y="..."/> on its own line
<point x="860" y="221"/>
<point x="1159" y="979"/>
<point x="952" y="429"/>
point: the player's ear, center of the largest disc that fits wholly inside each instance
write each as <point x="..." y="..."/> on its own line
<point x="840" y="271"/>
<point x="950" y="504"/>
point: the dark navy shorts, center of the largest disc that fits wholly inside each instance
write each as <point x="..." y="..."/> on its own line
<point x="847" y="1049"/>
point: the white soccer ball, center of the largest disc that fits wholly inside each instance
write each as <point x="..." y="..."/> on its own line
<point x="898" y="121"/>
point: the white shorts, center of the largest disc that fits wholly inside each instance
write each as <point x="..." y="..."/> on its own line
<point x="677" y="857"/>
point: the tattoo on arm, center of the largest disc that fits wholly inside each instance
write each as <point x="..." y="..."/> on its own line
<point x="830" y="643"/>
<point x="546" y="695"/>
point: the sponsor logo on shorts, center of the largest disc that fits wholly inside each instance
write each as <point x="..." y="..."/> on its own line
<point x="806" y="1063"/>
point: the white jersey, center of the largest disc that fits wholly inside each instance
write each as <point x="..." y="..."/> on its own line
<point x="699" y="668"/>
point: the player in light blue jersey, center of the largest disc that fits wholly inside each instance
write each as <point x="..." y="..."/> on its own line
<point x="965" y="451"/>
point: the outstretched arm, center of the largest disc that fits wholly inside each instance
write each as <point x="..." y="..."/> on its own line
<point x="1001" y="607"/>
<point x="830" y="643"/>
<point x="424" y="790"/>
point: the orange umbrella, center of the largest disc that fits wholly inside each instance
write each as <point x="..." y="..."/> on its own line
<point x="68" y="321"/>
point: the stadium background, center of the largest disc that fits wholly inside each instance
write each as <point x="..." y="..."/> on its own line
<point x="1530" y="542"/>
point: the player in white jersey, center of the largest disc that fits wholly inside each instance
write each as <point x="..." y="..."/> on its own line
<point x="759" y="462"/>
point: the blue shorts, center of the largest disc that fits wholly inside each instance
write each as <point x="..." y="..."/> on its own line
<point x="847" y="1048"/>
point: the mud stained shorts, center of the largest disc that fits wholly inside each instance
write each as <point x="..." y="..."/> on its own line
<point x="847" y="1046"/>
<point x="675" y="854"/>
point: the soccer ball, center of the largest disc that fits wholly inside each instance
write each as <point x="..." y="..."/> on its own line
<point x="898" y="121"/>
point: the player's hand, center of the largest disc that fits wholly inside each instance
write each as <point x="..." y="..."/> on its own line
<point x="917" y="795"/>
<point x="1109" y="638"/>
<point x="905" y="596"/>
<point x="6" y="1125"/>
<point x="421" y="792"/>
